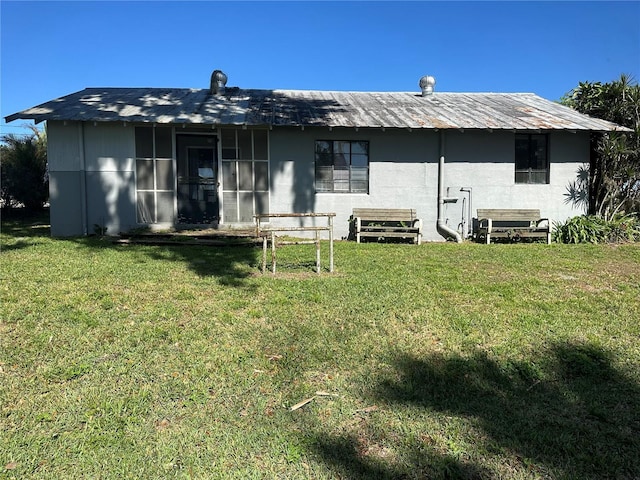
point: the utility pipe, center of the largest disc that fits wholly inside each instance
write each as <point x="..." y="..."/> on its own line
<point x="442" y="228"/>
<point x="468" y="229"/>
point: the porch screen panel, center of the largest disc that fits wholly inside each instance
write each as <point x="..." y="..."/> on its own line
<point x="261" y="176"/>
<point x="144" y="174"/>
<point x="164" y="178"/>
<point x="260" y="145"/>
<point x="164" y="207"/>
<point x="246" y="207"/>
<point x="229" y="176"/>
<point x="155" y="177"/>
<point x="164" y="142"/>
<point x="262" y="202"/>
<point x="245" y="149"/>
<point x="230" y="201"/>
<point x="146" y="207"/>
<point x="245" y="174"/>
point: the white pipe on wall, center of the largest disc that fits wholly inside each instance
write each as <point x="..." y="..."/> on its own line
<point x="442" y="228"/>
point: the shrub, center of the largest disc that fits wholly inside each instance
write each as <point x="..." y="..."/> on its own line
<point x="24" y="171"/>
<point x="594" y="229"/>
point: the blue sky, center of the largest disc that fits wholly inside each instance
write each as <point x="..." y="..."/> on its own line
<point x="50" y="49"/>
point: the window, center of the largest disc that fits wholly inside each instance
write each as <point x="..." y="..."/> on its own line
<point x="245" y="174"/>
<point x="532" y="158"/>
<point x="342" y="166"/>
<point x="154" y="174"/>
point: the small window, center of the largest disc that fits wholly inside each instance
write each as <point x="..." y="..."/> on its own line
<point x="342" y="166"/>
<point x="532" y="158"/>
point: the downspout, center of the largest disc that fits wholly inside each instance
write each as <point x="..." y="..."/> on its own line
<point x="444" y="230"/>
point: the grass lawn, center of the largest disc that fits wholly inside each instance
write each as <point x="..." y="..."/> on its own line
<point x="437" y="361"/>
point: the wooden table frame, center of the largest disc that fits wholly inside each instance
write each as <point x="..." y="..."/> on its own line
<point x="269" y="233"/>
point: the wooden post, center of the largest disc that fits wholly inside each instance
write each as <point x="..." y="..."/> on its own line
<point x="264" y="253"/>
<point x="317" y="251"/>
<point x="273" y="252"/>
<point x="330" y="244"/>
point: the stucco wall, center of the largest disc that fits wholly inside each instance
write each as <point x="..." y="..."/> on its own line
<point x="404" y="169"/>
<point x="92" y="177"/>
<point x="63" y="155"/>
<point x="95" y="164"/>
<point x="110" y="165"/>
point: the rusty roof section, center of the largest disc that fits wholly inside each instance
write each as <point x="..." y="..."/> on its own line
<point x="301" y="108"/>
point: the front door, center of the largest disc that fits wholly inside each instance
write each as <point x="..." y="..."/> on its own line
<point x="197" y="161"/>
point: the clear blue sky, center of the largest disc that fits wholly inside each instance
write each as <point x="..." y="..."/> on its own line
<point x="50" y="49"/>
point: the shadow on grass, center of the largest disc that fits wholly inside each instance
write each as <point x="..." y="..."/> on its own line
<point x="345" y="455"/>
<point x="232" y="264"/>
<point x="568" y="415"/>
<point x="20" y="228"/>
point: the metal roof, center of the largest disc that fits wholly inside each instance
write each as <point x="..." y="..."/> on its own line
<point x="409" y="110"/>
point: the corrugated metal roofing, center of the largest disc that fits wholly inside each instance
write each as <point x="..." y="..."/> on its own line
<point x="441" y="110"/>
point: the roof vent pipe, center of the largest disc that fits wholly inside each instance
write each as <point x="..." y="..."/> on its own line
<point x="218" y="82"/>
<point x="426" y="85"/>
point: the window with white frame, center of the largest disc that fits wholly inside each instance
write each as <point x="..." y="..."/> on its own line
<point x="245" y="174"/>
<point x="532" y="158"/>
<point x="154" y="175"/>
<point x="342" y="166"/>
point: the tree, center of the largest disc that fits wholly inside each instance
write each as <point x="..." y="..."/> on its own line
<point x="23" y="170"/>
<point x="613" y="183"/>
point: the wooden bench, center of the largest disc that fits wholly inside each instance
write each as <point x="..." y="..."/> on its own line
<point x="512" y="223"/>
<point x="386" y="223"/>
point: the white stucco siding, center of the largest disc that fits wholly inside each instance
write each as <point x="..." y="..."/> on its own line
<point x="64" y="149"/>
<point x="65" y="209"/>
<point x="110" y="201"/>
<point x="64" y="146"/>
<point x="92" y="177"/>
<point x="109" y="147"/>
<point x="402" y="167"/>
<point x="403" y="173"/>
<point x="490" y="173"/>
<point x="110" y="177"/>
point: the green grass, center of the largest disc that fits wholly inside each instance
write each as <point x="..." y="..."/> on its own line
<point x="443" y="361"/>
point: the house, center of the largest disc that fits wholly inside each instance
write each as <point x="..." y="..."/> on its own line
<point x="124" y="158"/>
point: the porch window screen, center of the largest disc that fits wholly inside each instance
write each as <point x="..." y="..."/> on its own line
<point x="532" y="158"/>
<point x="154" y="175"/>
<point x="342" y="166"/>
<point x="245" y="174"/>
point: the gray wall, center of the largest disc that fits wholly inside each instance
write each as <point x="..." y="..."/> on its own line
<point x="404" y="169"/>
<point x="92" y="181"/>
<point x="92" y="172"/>
<point x="110" y="165"/>
<point x="64" y="157"/>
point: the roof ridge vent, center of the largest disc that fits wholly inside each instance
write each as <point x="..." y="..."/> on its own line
<point x="426" y="85"/>
<point x="218" y="82"/>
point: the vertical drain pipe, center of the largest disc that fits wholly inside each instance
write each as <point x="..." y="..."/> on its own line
<point x="442" y="228"/>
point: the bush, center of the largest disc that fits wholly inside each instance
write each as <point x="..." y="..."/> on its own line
<point x="594" y="229"/>
<point x="23" y="165"/>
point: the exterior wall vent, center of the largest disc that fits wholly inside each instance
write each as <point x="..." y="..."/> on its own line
<point x="218" y="82"/>
<point x="426" y="85"/>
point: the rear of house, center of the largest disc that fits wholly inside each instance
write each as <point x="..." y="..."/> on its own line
<point x="121" y="159"/>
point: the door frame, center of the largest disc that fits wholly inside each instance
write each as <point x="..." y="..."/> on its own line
<point x="214" y="145"/>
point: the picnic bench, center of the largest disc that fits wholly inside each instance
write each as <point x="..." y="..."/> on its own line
<point x="513" y="224"/>
<point x="386" y="223"/>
